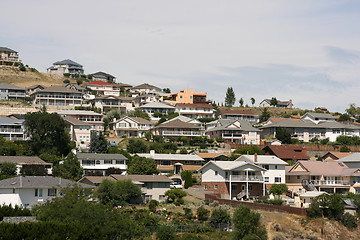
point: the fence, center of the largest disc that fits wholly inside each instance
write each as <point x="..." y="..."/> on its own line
<point x="259" y="206"/>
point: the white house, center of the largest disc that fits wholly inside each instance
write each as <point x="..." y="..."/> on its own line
<point x="233" y="179"/>
<point x="131" y="126"/>
<point x="275" y="167"/>
<point x="280" y="104"/>
<point x="104" y="88"/>
<point x="28" y="191"/>
<point x="152" y="107"/>
<point x="106" y="103"/>
<point x="195" y="110"/>
<point x="98" y="163"/>
<point x="66" y="66"/>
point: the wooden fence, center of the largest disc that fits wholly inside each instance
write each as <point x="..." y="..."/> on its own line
<point x="258" y="206"/>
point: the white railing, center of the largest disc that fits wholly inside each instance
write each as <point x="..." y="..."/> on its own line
<point x="11" y="130"/>
<point x="329" y="182"/>
<point x="181" y="133"/>
<point x="244" y="178"/>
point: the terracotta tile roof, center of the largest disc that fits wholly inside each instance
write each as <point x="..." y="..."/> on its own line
<point x="287" y="152"/>
<point x="101" y="83"/>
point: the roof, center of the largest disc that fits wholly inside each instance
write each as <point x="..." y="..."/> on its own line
<point x="287" y="152"/>
<point x="195" y="105"/>
<point x="11" y="121"/>
<point x="38" y="182"/>
<point x="17" y="116"/>
<point x="142" y="178"/>
<point x="352" y="157"/>
<point x="114" y="97"/>
<point x="338" y="155"/>
<point x="146" y="86"/>
<point x="95" y="179"/>
<point x="262" y="159"/>
<point x="100" y="74"/>
<point x="319" y="168"/>
<point x="124" y="85"/>
<point x="319" y="115"/>
<point x="230" y="165"/>
<point x="74" y="121"/>
<point x="10" y="86"/>
<point x="226" y="111"/>
<point x="312" y="194"/>
<point x="213" y="155"/>
<point x="100" y="156"/>
<point x="101" y="83"/>
<point x="174" y="157"/>
<point x="35" y="86"/>
<point x="78" y="112"/>
<point x="177" y="124"/>
<point x="278" y="102"/>
<point x="157" y="105"/>
<point x="186" y="119"/>
<point x="138" y="120"/>
<point x="224" y="124"/>
<point x="57" y="89"/>
<point x="7" y="50"/>
<point x="23" y="160"/>
<point x="67" y="62"/>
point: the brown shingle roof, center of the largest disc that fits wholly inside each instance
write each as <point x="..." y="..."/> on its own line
<point x="195" y="105"/>
<point x="319" y="168"/>
<point x="74" y="121"/>
<point x="339" y="155"/>
<point x="237" y="112"/>
<point x="145" y="86"/>
<point x="177" y="124"/>
<point x="57" y="89"/>
<point x="23" y="160"/>
<point x="287" y="152"/>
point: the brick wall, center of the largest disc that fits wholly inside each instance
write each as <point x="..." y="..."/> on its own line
<point x="223" y="188"/>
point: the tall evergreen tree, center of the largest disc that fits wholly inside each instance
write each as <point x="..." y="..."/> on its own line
<point x="241" y="102"/>
<point x="230" y="97"/>
<point x="252" y="101"/>
<point x="98" y="143"/>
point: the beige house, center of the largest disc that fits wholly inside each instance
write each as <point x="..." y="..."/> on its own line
<point x="195" y="110"/>
<point x="131" y="126"/>
<point x="66" y="66"/>
<point x="57" y="95"/>
<point x="79" y="131"/>
<point x="106" y="103"/>
<point x="177" y="128"/>
<point x="91" y="118"/>
<point x="188" y="96"/>
<point x="8" y="55"/>
<point x="144" y="88"/>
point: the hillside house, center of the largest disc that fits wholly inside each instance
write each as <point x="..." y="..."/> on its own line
<point x="20" y="161"/>
<point x="66" y="66"/>
<point x="101" y="88"/>
<point x="106" y="103"/>
<point x="280" y="104"/>
<point x="237" y="114"/>
<point x="12" y="129"/>
<point x="8" y="55"/>
<point x="287" y="152"/>
<point x="159" y="107"/>
<point x="98" y="163"/>
<point x="11" y="92"/>
<point x="57" y="95"/>
<point x="91" y="118"/>
<point x="188" y="97"/>
<point x="195" y="110"/>
<point x="177" y="128"/>
<point x="131" y="126"/>
<point x="104" y="77"/>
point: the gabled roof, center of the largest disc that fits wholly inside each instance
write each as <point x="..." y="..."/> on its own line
<point x="287" y="152"/>
<point x="319" y="115"/>
<point x="11" y="121"/>
<point x="124" y="85"/>
<point x="337" y="155"/>
<point x="228" y="111"/>
<point x="319" y="168"/>
<point x="175" y="157"/>
<point x="142" y="178"/>
<point x="185" y="119"/>
<point x="67" y="62"/>
<point x="146" y="86"/>
<point x="7" y="50"/>
<point x="39" y="182"/>
<point x="101" y="83"/>
<point x="262" y="159"/>
<point x="177" y="124"/>
<point x="95" y="180"/>
<point x="115" y="97"/>
<point x="102" y="74"/>
<point x="229" y="124"/>
<point x="74" y="121"/>
<point x="157" y="105"/>
<point x="35" y="86"/>
<point x="136" y="119"/>
<point x="194" y="105"/>
<point x="230" y="165"/>
<point x="23" y="160"/>
<point x="213" y="155"/>
<point x="57" y="89"/>
<point x="352" y="157"/>
<point x="100" y="156"/>
<point x="10" y="86"/>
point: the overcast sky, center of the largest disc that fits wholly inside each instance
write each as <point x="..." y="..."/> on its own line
<point x="307" y="51"/>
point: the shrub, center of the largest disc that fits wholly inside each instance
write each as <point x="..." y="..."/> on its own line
<point x="183" y="151"/>
<point x="175" y="196"/>
<point x="153" y="204"/>
<point x="278" y="189"/>
<point x="349" y="221"/>
<point x="344" y="149"/>
<point x="202" y="213"/>
<point x="165" y="233"/>
<point x="219" y="215"/>
<point x="67" y="75"/>
<point x="66" y="81"/>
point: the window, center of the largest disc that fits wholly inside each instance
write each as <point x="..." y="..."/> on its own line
<point x="149" y="185"/>
<point x="163" y="185"/>
<point x="148" y="198"/>
<point x="226" y="174"/>
<point x="216" y="172"/>
<point x="250" y="187"/>
<point x="107" y="161"/>
<point x="52" y="192"/>
<point x="275" y="166"/>
<point x="297" y="177"/>
<point x="277" y="179"/>
<point x="205" y="187"/>
<point x="165" y="163"/>
<point x="38" y="192"/>
<point x="266" y="179"/>
<point x="266" y="167"/>
<point x="215" y="186"/>
<point x="120" y="162"/>
<point x="233" y="187"/>
<point x="97" y="162"/>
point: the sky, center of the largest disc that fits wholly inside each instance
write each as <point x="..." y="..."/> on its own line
<point x="307" y="51"/>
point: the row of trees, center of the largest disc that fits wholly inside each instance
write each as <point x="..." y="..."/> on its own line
<point x="230" y="98"/>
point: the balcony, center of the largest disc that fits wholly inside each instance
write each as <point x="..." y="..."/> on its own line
<point x="329" y="182"/>
<point x="243" y="178"/>
<point x="11" y="130"/>
<point x="181" y="133"/>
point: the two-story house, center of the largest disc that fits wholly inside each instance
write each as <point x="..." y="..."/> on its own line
<point x="12" y="129"/>
<point x="177" y="128"/>
<point x="233" y="179"/>
<point x="233" y="131"/>
<point x="146" y="98"/>
<point x="188" y="96"/>
<point x="91" y="118"/>
<point x="239" y="114"/>
<point x="104" y="77"/>
<point x="66" y="66"/>
<point x="79" y="131"/>
<point x="11" y="92"/>
<point x="8" y="55"/>
<point x="195" y="110"/>
<point x="131" y="126"/>
<point x="104" y="88"/>
<point x="98" y="163"/>
<point x="153" y="107"/>
<point x="20" y="161"/>
<point x="144" y="88"/>
<point x="106" y="103"/>
<point x="57" y="95"/>
<point x="174" y="163"/>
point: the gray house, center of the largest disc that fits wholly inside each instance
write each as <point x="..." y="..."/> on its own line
<point x="12" y="129"/>
<point x="11" y="92"/>
<point x="66" y="66"/>
<point x="101" y="76"/>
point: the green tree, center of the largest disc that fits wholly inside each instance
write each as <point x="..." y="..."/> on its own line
<point x="251" y="150"/>
<point x="165" y="233"/>
<point x="8" y="169"/>
<point x="139" y="113"/>
<point x="283" y="135"/>
<point x="142" y="166"/>
<point x="247" y="224"/>
<point x="118" y="192"/>
<point x="219" y="216"/>
<point x="344" y="117"/>
<point x="148" y="136"/>
<point x="98" y="143"/>
<point x="252" y="101"/>
<point x="175" y="196"/>
<point x="344" y="149"/>
<point x="106" y="123"/>
<point x="69" y="169"/>
<point x="49" y="158"/>
<point x="273" y="102"/>
<point x="47" y="133"/>
<point x="278" y="189"/>
<point x="187" y="177"/>
<point x="230" y="97"/>
<point x="324" y="141"/>
<point x="137" y="146"/>
<point x="202" y="213"/>
<point x="265" y="115"/>
<point x="33" y="170"/>
<point x="241" y="102"/>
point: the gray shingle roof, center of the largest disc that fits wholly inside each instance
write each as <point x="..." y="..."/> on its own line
<point x="67" y="62"/>
<point x="102" y="74"/>
<point x="39" y="182"/>
<point x="146" y="86"/>
<point x="178" y="124"/>
<point x="354" y="157"/>
<point x="229" y="165"/>
<point x="57" y="89"/>
<point x="10" y="86"/>
<point x="7" y="50"/>
<point x="320" y="115"/>
<point x="223" y="124"/>
<point x="10" y="121"/>
<point x="100" y="156"/>
<point x="157" y="105"/>
<point x="23" y="160"/>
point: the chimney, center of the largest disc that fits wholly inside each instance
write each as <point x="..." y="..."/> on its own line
<point x="152" y="153"/>
<point x="255" y="157"/>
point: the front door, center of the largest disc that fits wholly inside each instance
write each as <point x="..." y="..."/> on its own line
<point x="177" y="169"/>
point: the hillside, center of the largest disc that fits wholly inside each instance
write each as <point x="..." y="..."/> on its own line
<point x="25" y="79"/>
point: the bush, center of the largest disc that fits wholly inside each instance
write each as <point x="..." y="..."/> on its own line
<point x="251" y="150"/>
<point x="202" y="213"/>
<point x="349" y="221"/>
<point x="183" y="151"/>
<point x="152" y="205"/>
<point x="175" y="196"/>
<point x="165" y="233"/>
<point x="9" y="211"/>
<point x="344" y="149"/>
<point x="278" y="189"/>
<point x="66" y="81"/>
<point x="219" y="215"/>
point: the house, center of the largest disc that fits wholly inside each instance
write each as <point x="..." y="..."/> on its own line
<point x="311" y="125"/>
<point x="195" y="110"/>
<point x="233" y="131"/>
<point x="76" y="88"/>
<point x="29" y="191"/>
<point x="12" y="129"/>
<point x="103" y="88"/>
<point x="280" y="104"/>
<point x="188" y="120"/>
<point x="188" y="97"/>
<point x="79" y="131"/>
<point x="146" y="98"/>
<point x="174" y="163"/>
<point x="145" y="88"/>
<point x="66" y="66"/>
<point x="57" y="95"/>
<point x="238" y="114"/>
<point x="132" y="126"/>
<point x="104" y="77"/>
<point x="107" y="103"/>
<point x="156" y="107"/>
<point x="8" y="55"/>
<point x="233" y="179"/>
<point x="332" y="156"/>
<point x="275" y="167"/>
<point x="20" y="161"/>
<point x="352" y="160"/>
<point x="153" y="187"/>
<point x="286" y="153"/>
<point x="34" y="88"/>
<point x="330" y="177"/>
<point x="11" y="92"/>
<point x="214" y="156"/>
<point x="307" y="197"/>
<point x="91" y="118"/>
<point x="98" y="163"/>
<point x="176" y="129"/>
